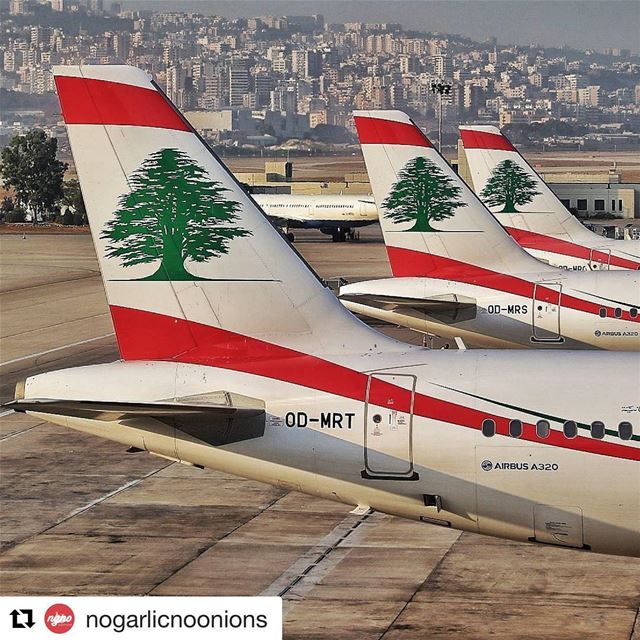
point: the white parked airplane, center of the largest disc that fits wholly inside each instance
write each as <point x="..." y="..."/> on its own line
<point x="235" y="357"/>
<point x="458" y="273"/>
<point x="335" y="215"/>
<point x="532" y="213"/>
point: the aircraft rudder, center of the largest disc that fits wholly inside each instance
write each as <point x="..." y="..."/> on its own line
<point x="199" y="261"/>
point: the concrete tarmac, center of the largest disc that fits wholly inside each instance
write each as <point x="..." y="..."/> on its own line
<point x="79" y="515"/>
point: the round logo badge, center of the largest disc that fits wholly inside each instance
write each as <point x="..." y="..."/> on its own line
<point x="487" y="465"/>
<point x="59" y="618"/>
<point x="598" y="333"/>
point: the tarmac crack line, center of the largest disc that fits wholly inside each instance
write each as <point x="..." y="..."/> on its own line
<point x="213" y="544"/>
<point x="425" y="581"/>
<point x="636" y="626"/>
<point x="88" y="506"/>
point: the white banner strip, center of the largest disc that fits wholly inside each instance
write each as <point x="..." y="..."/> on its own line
<point x="232" y="618"/>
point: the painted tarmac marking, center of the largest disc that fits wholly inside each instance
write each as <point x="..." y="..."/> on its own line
<point x="211" y="546"/>
<point x="55" y="325"/>
<point x="87" y="506"/>
<point x="115" y="492"/>
<point x="66" y="346"/>
<point x="91" y="273"/>
<point x="15" y="434"/>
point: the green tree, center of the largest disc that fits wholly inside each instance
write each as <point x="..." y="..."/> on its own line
<point x="173" y="213"/>
<point x="73" y="198"/>
<point x="7" y="206"/>
<point x="9" y="212"/>
<point x="29" y="165"/>
<point x="423" y="193"/>
<point x="508" y="186"/>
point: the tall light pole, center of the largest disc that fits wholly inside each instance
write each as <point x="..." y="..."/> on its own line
<point x="442" y="88"/>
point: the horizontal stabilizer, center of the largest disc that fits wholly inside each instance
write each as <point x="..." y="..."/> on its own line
<point x="112" y="411"/>
<point x="448" y="308"/>
<point x="213" y="424"/>
<point x="445" y="302"/>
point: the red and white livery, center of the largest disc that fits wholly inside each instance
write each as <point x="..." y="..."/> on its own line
<point x="458" y="273"/>
<point x="542" y="224"/>
<point x="242" y="360"/>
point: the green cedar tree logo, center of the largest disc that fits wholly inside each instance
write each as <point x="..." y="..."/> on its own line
<point x="508" y="186"/>
<point x="423" y="194"/>
<point x="173" y="214"/>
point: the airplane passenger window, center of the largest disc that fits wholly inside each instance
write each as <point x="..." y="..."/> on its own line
<point x="515" y="428"/>
<point x="625" y="430"/>
<point x="570" y="429"/>
<point x="597" y="429"/>
<point x="603" y="312"/>
<point x="617" y="312"/>
<point x="633" y="313"/>
<point x="543" y="428"/>
<point x="488" y="428"/>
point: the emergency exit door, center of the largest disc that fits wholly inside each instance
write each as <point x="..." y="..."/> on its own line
<point x="388" y="428"/>
<point x="545" y="318"/>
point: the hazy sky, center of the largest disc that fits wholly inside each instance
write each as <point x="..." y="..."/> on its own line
<point x="582" y="24"/>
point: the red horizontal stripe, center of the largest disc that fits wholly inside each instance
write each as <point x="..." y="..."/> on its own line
<point x="410" y="263"/>
<point x="541" y="242"/>
<point x="141" y="333"/>
<point x="89" y="101"/>
<point x="380" y="131"/>
<point x="485" y="140"/>
<point x="169" y="339"/>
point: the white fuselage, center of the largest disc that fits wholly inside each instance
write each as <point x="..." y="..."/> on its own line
<point x="319" y="212"/>
<point x="404" y="436"/>
<point x="236" y="357"/>
<point x="565" y="310"/>
<point x="567" y="244"/>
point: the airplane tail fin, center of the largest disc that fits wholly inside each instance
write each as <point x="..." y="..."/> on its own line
<point x="193" y="270"/>
<point x="433" y="224"/>
<point x="504" y="180"/>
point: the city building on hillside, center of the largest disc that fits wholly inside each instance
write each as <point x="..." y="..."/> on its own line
<point x="301" y="72"/>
